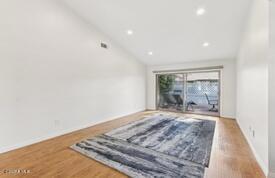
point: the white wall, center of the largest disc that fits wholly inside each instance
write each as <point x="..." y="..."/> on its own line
<point x="271" y="95"/>
<point x="252" y="81"/>
<point x="54" y="76"/>
<point x="228" y="84"/>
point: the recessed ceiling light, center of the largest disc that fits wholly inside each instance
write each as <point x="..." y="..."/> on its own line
<point x="205" y="44"/>
<point x="200" y="11"/>
<point x="150" y="53"/>
<point x="130" y="32"/>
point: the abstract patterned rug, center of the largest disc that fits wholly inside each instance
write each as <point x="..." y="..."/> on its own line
<point x="157" y="146"/>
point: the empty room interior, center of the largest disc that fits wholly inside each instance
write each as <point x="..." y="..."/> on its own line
<point x="142" y="89"/>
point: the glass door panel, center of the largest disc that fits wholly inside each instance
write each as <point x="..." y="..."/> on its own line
<point x="170" y="91"/>
<point x="202" y="93"/>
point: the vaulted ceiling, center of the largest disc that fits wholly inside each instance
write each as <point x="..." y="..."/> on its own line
<point x="170" y="29"/>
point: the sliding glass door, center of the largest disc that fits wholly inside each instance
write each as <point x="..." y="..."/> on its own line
<point x="193" y="92"/>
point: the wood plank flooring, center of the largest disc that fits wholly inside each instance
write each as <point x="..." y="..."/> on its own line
<point x="231" y="156"/>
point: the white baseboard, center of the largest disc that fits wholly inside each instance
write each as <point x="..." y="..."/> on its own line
<point x="271" y="175"/>
<point x="263" y="166"/>
<point x="56" y="134"/>
<point x="225" y="117"/>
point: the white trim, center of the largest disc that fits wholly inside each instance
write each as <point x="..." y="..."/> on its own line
<point x="59" y="133"/>
<point x="225" y="117"/>
<point x="258" y="158"/>
<point x="271" y="175"/>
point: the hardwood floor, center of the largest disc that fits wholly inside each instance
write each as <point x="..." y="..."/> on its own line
<point x="231" y="156"/>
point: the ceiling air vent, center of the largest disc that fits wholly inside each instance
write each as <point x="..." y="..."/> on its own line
<point x="104" y="45"/>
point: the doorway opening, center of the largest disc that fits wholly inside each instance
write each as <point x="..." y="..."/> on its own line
<point x="192" y="92"/>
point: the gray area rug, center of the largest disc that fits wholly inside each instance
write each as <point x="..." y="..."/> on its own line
<point x="136" y="161"/>
<point x="182" y="137"/>
<point x="157" y="146"/>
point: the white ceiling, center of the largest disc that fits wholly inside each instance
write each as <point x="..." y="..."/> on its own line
<point x="169" y="28"/>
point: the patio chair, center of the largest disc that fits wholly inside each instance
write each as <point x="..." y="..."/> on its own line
<point x="190" y="104"/>
<point x="213" y="103"/>
<point x="169" y="100"/>
<point x="178" y="99"/>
